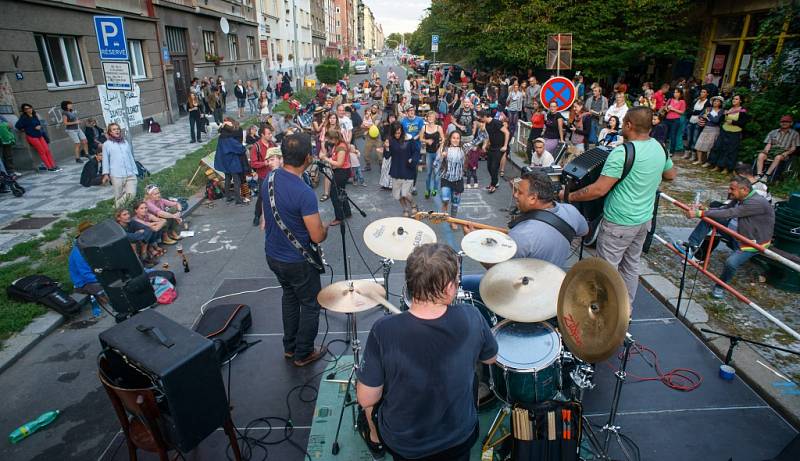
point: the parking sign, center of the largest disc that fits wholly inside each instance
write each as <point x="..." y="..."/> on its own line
<point x="111" y="40"/>
<point x="434" y="43"/>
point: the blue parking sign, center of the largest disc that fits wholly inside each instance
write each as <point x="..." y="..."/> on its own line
<point x="111" y="38"/>
<point x="434" y="39"/>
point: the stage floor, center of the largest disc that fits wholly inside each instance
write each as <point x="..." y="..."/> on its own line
<point x="720" y="420"/>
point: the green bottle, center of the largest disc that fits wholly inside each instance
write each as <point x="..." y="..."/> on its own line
<point x="29" y="428"/>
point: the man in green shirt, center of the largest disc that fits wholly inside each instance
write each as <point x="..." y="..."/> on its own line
<point x="629" y="206"/>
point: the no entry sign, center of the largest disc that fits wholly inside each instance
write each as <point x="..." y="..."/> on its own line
<point x="559" y="90"/>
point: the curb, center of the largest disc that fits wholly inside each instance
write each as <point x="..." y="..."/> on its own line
<point x="16" y="346"/>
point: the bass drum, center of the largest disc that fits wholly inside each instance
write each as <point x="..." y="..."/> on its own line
<point x="528" y="367"/>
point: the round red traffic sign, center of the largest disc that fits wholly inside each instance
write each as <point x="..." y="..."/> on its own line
<point x="559" y="90"/>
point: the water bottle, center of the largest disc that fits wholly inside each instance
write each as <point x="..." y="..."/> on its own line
<point x="95" y="306"/>
<point x="30" y="427"/>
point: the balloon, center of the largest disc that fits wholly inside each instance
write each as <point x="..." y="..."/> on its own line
<point x="373" y="131"/>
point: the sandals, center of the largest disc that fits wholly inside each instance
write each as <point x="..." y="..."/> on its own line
<point x="324" y="197"/>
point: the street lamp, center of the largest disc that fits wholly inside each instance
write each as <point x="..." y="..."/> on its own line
<point x="298" y="83"/>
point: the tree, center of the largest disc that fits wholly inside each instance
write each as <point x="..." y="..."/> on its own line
<point x="394" y="40"/>
<point x="607" y="36"/>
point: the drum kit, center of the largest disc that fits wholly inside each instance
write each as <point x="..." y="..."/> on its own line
<point x="551" y="327"/>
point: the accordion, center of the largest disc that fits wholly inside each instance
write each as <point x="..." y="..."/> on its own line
<point x="583" y="170"/>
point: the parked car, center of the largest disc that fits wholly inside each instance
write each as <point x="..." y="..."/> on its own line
<point x="361" y="67"/>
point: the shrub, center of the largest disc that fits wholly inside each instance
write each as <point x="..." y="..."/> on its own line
<point x="328" y="73"/>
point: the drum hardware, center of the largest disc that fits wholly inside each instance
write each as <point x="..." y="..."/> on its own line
<point x="350" y="297"/>
<point x="386" y="265"/>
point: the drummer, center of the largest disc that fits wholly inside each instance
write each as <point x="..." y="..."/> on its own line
<point x="535" y="238"/>
<point x="416" y="419"/>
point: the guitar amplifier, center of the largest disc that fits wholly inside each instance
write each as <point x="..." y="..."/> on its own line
<point x="182" y="366"/>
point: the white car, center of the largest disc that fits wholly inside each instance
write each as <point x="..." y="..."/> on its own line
<point x="361" y="67"/>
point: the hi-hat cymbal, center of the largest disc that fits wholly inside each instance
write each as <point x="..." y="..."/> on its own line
<point x="350" y="296"/>
<point x="488" y="246"/>
<point x="396" y="238"/>
<point x="523" y="290"/>
<point x="593" y="310"/>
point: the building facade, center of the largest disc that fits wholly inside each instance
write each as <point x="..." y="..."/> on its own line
<point x="344" y="28"/>
<point x="318" y="37"/>
<point x="50" y="54"/>
<point x="280" y="21"/>
<point x="369" y="30"/>
<point x="214" y="38"/>
<point x="331" y="30"/>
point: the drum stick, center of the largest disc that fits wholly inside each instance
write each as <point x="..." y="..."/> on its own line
<point x="551" y="425"/>
<point x="385" y="303"/>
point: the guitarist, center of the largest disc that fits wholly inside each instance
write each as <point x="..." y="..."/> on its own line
<point x="538" y="235"/>
<point x="290" y="209"/>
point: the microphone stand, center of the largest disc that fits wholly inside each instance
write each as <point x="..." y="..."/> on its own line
<point x="688" y="251"/>
<point x="326" y="171"/>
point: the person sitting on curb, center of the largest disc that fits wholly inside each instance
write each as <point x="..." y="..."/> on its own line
<point x="81" y="274"/>
<point x="784" y="140"/>
<point x="92" y="173"/>
<point x="753" y="216"/>
<point x="162" y="208"/>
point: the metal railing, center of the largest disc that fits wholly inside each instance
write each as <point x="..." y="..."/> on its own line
<point x="717" y="227"/>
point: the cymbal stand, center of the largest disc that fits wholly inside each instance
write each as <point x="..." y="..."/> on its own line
<point x="348" y="399"/>
<point x="386" y="264"/>
<point x="610" y="427"/>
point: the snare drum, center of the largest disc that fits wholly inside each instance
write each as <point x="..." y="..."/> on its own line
<point x="528" y="367"/>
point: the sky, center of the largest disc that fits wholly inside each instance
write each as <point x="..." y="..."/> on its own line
<point x="397" y="16"/>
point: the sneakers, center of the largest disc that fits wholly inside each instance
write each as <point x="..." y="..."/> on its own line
<point x="680" y="245"/>
<point x="55" y="169"/>
<point x="78" y="160"/>
<point x="435" y="191"/>
<point x="427" y="194"/>
<point x="315" y="355"/>
<point x="718" y="292"/>
<point x="256" y="221"/>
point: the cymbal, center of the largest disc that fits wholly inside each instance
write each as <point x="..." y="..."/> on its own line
<point x="523" y="289"/>
<point x="593" y="310"/>
<point x="488" y="246"/>
<point x="396" y="238"/>
<point x="350" y="296"/>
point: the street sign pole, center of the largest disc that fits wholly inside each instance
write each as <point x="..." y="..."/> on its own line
<point x="127" y="119"/>
<point x="558" y="56"/>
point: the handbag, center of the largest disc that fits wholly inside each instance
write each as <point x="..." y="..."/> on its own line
<point x="313" y="255"/>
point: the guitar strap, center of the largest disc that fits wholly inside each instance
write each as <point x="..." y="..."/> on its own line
<point x="548" y="218"/>
<point x="289" y="235"/>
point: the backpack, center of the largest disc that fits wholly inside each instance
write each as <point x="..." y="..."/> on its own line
<point x="154" y="127"/>
<point x="164" y="290"/>
<point x="213" y="191"/>
<point x="45" y="291"/>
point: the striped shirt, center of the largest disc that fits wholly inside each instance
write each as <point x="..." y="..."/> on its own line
<point x="783" y="140"/>
<point x="454" y="164"/>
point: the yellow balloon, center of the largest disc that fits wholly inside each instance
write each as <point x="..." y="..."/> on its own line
<point x="373" y="131"/>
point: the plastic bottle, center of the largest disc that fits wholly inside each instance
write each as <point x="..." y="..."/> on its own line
<point x="30" y="427"/>
<point x="95" y="306"/>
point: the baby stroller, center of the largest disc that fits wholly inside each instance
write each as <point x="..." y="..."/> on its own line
<point x="9" y="182"/>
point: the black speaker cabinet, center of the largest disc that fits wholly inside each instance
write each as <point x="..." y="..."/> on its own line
<point x="181" y="365"/>
<point x="108" y="252"/>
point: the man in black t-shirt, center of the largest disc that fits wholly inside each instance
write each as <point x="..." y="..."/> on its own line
<point x="418" y="370"/>
<point x="495" y="146"/>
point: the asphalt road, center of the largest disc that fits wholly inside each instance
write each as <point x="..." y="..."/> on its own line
<point x="60" y="371"/>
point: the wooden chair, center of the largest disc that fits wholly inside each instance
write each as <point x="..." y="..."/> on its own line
<point x="138" y="414"/>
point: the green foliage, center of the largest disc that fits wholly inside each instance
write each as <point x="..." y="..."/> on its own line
<point x="49" y="253"/>
<point x="512" y="34"/>
<point x="328" y="73"/>
<point x="394" y="40"/>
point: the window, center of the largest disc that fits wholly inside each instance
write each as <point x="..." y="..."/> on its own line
<point x="251" y="47"/>
<point x="61" y="60"/>
<point x="233" y="47"/>
<point x="210" y="43"/>
<point x="176" y="40"/>
<point x="138" y="68"/>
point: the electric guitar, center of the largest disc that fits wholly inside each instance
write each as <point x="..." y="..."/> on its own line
<point x="438" y="217"/>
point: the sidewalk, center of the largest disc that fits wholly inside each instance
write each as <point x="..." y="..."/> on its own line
<point x="56" y="194"/>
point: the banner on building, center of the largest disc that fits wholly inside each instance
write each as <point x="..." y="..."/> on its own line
<point x="111" y="103"/>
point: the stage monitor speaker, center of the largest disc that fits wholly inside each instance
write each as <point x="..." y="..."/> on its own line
<point x="181" y="364"/>
<point x="108" y="252"/>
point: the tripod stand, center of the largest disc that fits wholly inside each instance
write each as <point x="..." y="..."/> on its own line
<point x="348" y="400"/>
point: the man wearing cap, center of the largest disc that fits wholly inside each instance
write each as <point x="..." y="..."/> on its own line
<point x="784" y="140"/>
<point x="259" y="153"/>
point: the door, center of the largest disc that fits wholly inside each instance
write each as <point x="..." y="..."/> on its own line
<point x="180" y="75"/>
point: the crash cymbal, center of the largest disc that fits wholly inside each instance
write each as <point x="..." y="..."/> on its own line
<point x="593" y="310"/>
<point x="488" y="246"/>
<point x="523" y="290"/>
<point x="350" y="296"/>
<point x="396" y="238"/>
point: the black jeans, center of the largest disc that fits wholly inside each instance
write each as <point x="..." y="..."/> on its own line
<point x="341" y="207"/>
<point x="493" y="164"/>
<point x="301" y="284"/>
<point x="236" y="193"/>
<point x="194" y="124"/>
<point x="259" y="201"/>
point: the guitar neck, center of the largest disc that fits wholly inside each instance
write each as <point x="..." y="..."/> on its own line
<point x="476" y="225"/>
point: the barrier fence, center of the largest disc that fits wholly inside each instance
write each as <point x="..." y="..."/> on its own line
<point x="717" y="227"/>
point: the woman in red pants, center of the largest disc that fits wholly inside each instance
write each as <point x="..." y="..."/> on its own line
<point x="34" y="132"/>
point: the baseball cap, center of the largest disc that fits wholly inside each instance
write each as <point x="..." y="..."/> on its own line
<point x="274" y="152"/>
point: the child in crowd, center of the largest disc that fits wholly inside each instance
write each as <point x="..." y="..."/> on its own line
<point x="355" y="164"/>
<point x="658" y="131"/>
<point x="471" y="173"/>
<point x="759" y="187"/>
<point x="540" y="158"/>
